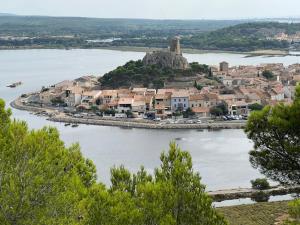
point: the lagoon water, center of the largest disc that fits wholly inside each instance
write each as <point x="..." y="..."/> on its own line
<point x="221" y="157"/>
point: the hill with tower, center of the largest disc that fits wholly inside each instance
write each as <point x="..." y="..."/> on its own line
<point x="171" y="58"/>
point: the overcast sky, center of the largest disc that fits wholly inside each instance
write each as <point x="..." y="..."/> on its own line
<point x="155" y="9"/>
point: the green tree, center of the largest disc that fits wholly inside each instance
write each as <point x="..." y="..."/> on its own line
<point x="198" y="86"/>
<point x="268" y="74"/>
<point x="187" y="201"/>
<point x="174" y="196"/>
<point x="220" y="109"/>
<point x="275" y="132"/>
<point x="188" y="113"/>
<point x="41" y="181"/>
<point x="255" y="107"/>
<point x="260" y="184"/>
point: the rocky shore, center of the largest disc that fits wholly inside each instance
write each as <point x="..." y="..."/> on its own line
<point x="231" y="194"/>
<point x="127" y="123"/>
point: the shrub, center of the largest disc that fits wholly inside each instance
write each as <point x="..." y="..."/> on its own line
<point x="260" y="184"/>
<point x="294" y="212"/>
<point x="260" y="196"/>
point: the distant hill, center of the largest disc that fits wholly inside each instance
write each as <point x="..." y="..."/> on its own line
<point x="101" y="28"/>
<point x="79" y="32"/>
<point x="244" y="37"/>
<point x="7" y="14"/>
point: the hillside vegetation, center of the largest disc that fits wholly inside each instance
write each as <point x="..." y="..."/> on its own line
<point x="244" y="37"/>
<point x="241" y="37"/>
<point x="40" y="26"/>
<point x="135" y="73"/>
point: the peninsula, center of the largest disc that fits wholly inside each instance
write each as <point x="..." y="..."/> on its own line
<point x="165" y="91"/>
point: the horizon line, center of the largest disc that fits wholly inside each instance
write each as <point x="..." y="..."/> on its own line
<point x="140" y="18"/>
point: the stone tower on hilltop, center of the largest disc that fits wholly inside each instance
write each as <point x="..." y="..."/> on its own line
<point x="170" y="58"/>
<point x="175" y="46"/>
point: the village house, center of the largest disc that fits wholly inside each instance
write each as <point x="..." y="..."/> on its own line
<point x="201" y="112"/>
<point x="277" y="94"/>
<point x="163" y="100"/>
<point x="125" y="105"/>
<point x="89" y="97"/>
<point x="180" y="100"/>
<point x="238" y="108"/>
<point x="73" y="95"/>
<point x="107" y="96"/>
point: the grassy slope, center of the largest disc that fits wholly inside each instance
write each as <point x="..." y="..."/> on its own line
<point x="257" y="214"/>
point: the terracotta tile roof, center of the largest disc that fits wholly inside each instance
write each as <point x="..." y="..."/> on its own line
<point x="138" y="103"/>
<point x="163" y="96"/>
<point x="180" y="94"/>
<point x="160" y="106"/>
<point x="200" y="110"/>
<point x="164" y="91"/>
<point x="125" y="101"/>
<point x="109" y="93"/>
<point x="197" y="97"/>
<point x="139" y="89"/>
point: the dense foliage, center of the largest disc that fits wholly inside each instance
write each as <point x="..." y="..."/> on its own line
<point x="268" y="74"/>
<point x="255" y="107"/>
<point x="136" y="73"/>
<point x="41" y="181"/>
<point x="260" y="184"/>
<point x="241" y="37"/>
<point x="44" y="182"/>
<point x="220" y="109"/>
<point x="63" y="32"/>
<point x="275" y="132"/>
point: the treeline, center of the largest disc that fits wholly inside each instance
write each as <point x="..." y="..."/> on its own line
<point x="45" y="182"/>
<point x="136" y="73"/>
<point x="243" y="37"/>
<point x="39" y="26"/>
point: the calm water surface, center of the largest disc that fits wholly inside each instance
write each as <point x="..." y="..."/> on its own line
<point x="221" y="157"/>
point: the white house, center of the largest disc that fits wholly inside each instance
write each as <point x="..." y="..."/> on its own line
<point x="180" y="100"/>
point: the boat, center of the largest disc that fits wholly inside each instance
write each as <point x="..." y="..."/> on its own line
<point x="67" y="124"/>
<point x="13" y="85"/>
<point x="75" y="125"/>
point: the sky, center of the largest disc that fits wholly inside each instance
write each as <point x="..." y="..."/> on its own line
<point x="156" y="9"/>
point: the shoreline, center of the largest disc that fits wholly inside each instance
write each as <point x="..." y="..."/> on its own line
<point x="124" y="123"/>
<point x="240" y="193"/>
<point x="266" y="52"/>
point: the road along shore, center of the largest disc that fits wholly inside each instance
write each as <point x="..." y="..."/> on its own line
<point x="127" y="123"/>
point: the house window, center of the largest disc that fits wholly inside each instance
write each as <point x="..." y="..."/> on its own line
<point x="175" y="105"/>
<point x="179" y="100"/>
<point x="175" y="100"/>
<point x="184" y="100"/>
<point x="192" y="105"/>
<point x="184" y="105"/>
